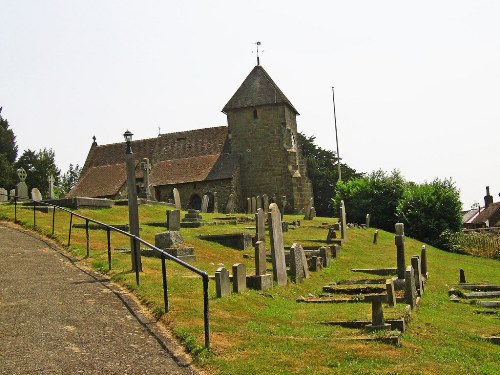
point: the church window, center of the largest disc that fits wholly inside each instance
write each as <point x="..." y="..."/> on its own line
<point x="255" y="114"/>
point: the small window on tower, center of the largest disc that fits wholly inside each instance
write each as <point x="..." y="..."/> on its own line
<point x="255" y="114"/>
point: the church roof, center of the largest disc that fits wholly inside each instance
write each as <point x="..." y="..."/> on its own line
<point x="257" y="89"/>
<point x="181" y="157"/>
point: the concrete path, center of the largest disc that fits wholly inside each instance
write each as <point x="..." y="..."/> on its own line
<point x="57" y="318"/>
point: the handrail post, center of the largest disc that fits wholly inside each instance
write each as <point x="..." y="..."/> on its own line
<point x="53" y="219"/>
<point x="205" y="311"/>
<point x="109" y="247"/>
<point x="87" y="236"/>
<point x="34" y="213"/>
<point x="15" y="208"/>
<point x="165" y="285"/>
<point x="70" y="226"/>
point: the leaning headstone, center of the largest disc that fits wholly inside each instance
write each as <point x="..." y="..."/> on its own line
<point x="253" y="205"/>
<point x="239" y="278"/>
<point x="173" y="220"/>
<point x="391" y="294"/>
<point x="410" y="290"/>
<point x="12" y="194"/>
<point x="325" y="255"/>
<point x="277" y="246"/>
<point x="260" y="225"/>
<point x="423" y="261"/>
<point x="399" y="239"/>
<point x="249" y="205"/>
<point x="36" y="195"/>
<point x="3" y="195"/>
<point x="415" y="263"/>
<point x="343" y="222"/>
<point x="367" y="222"/>
<point x="265" y="202"/>
<point x="222" y="283"/>
<point x="51" y="181"/>
<point x="177" y="199"/>
<point x="230" y="206"/>
<point x="21" y="187"/>
<point x="204" y="204"/>
<point x="298" y="263"/>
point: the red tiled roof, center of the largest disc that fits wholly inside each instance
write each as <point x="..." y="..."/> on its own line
<point x="100" y="181"/>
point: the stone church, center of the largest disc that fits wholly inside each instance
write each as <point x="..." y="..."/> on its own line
<point x="255" y="154"/>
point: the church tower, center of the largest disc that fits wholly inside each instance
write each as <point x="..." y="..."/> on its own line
<point x="263" y="134"/>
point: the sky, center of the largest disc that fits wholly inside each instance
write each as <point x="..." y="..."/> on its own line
<point x="416" y="83"/>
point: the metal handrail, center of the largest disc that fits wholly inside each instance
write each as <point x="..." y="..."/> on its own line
<point x="136" y="241"/>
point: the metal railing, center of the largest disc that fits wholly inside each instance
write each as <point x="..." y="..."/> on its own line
<point x="136" y="249"/>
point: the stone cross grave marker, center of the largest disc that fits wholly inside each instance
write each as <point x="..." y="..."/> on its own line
<point x="146" y="169"/>
<point x="204" y="203"/>
<point x="222" y="283"/>
<point x="51" y="181"/>
<point x="239" y="278"/>
<point x="265" y="203"/>
<point x="173" y="220"/>
<point x="36" y="195"/>
<point x="3" y="195"/>
<point x="177" y="199"/>
<point x="277" y="247"/>
<point x="21" y="187"/>
<point x="399" y="239"/>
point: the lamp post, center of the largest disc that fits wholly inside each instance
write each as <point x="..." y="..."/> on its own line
<point x="133" y="212"/>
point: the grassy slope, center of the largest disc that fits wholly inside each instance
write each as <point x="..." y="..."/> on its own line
<point x="268" y="332"/>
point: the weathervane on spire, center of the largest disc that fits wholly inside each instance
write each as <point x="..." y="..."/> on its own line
<point x="258" y="44"/>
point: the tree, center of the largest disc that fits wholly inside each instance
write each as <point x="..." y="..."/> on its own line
<point x="8" y="154"/>
<point x="69" y="179"/>
<point x="323" y="171"/>
<point x="430" y="209"/>
<point x="39" y="166"/>
<point x="377" y="194"/>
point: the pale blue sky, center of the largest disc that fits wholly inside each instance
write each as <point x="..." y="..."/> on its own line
<point x="416" y="83"/>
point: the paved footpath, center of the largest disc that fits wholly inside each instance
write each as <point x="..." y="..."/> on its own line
<point x="57" y="318"/>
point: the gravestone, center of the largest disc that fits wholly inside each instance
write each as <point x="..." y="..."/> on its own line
<point x="260" y="225"/>
<point x="36" y="195"/>
<point x="343" y="222"/>
<point x="173" y="220"/>
<point x="12" y="194"/>
<point x="331" y="234"/>
<point x="51" y="181"/>
<point x="168" y="239"/>
<point x="277" y="246"/>
<point x="462" y="279"/>
<point x="192" y="216"/>
<point x="3" y="195"/>
<point x="378" y="322"/>
<point x="146" y="169"/>
<point x="325" y="254"/>
<point x="261" y="280"/>
<point x="258" y="202"/>
<point x="260" y="258"/>
<point x="21" y="187"/>
<point x="336" y="226"/>
<point x="316" y="263"/>
<point x="375" y="237"/>
<point x="312" y="213"/>
<point x="253" y="205"/>
<point x="265" y="203"/>
<point x="399" y="239"/>
<point x="391" y="294"/>
<point x="410" y="290"/>
<point x="177" y="199"/>
<point x="216" y="203"/>
<point x="298" y="263"/>
<point x="222" y="283"/>
<point x="230" y="206"/>
<point x="367" y="222"/>
<point x="239" y="278"/>
<point x="335" y="251"/>
<point x="415" y="263"/>
<point x="249" y="205"/>
<point x="204" y="204"/>
<point x="423" y="261"/>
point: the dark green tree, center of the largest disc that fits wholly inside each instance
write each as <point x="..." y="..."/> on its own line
<point x="429" y="209"/>
<point x="376" y="194"/>
<point x="322" y="169"/>
<point x="39" y="165"/>
<point x="8" y="154"/>
<point x="69" y="179"/>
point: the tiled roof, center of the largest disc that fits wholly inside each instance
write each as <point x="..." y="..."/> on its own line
<point x="257" y="89"/>
<point x="493" y="211"/>
<point x="100" y="181"/>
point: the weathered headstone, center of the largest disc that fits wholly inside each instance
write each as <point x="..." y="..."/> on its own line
<point x="258" y="202"/>
<point x="260" y="258"/>
<point x="3" y="195"/>
<point x="312" y="213"/>
<point x="21" y="187"/>
<point x="391" y="294"/>
<point x="298" y="263"/>
<point x="378" y="321"/>
<point x="230" y="206"/>
<point x="325" y="255"/>
<point x="316" y="263"/>
<point x="36" y="195"/>
<point x="51" y="181"/>
<point x="12" y="194"/>
<point x="423" y="261"/>
<point x="216" y="203"/>
<point x="265" y="203"/>
<point x="415" y="263"/>
<point x="146" y="169"/>
<point x="222" y="283"/>
<point x="177" y="199"/>
<point x="367" y="222"/>
<point x="253" y="206"/>
<point x="335" y="251"/>
<point x="173" y="220"/>
<point x="260" y="225"/>
<point x="239" y="278"/>
<point x="261" y="280"/>
<point x="168" y="239"/>
<point x="343" y="222"/>
<point x="249" y="205"/>
<point x="331" y="234"/>
<point x="277" y="246"/>
<point x="399" y="240"/>
<point x="336" y="226"/>
<point x="410" y="290"/>
<point x="204" y="204"/>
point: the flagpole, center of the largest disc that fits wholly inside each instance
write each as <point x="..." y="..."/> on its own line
<point x="336" y="135"/>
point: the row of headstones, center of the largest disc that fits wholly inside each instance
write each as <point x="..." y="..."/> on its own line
<point x="5" y="195"/>
<point x="254" y="203"/>
<point x="230" y="206"/>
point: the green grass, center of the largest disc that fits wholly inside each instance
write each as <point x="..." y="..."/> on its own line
<point x="268" y="332"/>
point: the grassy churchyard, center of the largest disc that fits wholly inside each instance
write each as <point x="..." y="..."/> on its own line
<point x="270" y="332"/>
